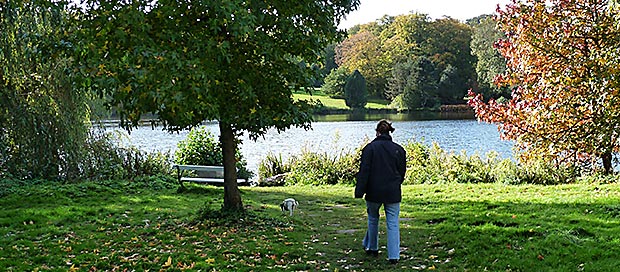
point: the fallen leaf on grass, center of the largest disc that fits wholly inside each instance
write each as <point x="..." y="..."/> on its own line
<point x="168" y="263"/>
<point x="184" y="266"/>
<point x="210" y="261"/>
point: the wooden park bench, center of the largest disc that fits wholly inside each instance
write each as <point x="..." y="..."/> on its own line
<point x="203" y="174"/>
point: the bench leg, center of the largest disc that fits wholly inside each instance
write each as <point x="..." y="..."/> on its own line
<point x="179" y="175"/>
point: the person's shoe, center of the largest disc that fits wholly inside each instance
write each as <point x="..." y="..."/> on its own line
<point x="374" y="253"/>
<point x="393" y="261"/>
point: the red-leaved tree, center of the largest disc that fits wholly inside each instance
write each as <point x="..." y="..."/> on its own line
<point x="563" y="63"/>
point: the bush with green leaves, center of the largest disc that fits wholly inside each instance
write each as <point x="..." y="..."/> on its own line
<point x="433" y="165"/>
<point x="314" y="168"/>
<point x="323" y="168"/>
<point x="108" y="159"/>
<point x="201" y="148"/>
<point x="335" y="82"/>
<point x="273" y="165"/>
<point x="425" y="165"/>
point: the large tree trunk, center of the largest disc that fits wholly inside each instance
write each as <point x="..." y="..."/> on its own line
<point x="232" y="195"/>
<point x="607" y="157"/>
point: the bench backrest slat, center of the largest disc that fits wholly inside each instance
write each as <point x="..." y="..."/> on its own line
<point x="199" y="167"/>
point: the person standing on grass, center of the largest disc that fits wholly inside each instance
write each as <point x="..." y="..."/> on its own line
<point x="382" y="171"/>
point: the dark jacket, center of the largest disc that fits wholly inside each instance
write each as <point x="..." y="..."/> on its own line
<point x="382" y="171"/>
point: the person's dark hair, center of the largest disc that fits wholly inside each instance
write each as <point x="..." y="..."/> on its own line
<point x="384" y="126"/>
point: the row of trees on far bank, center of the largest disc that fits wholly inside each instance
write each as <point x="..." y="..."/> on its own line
<point x="416" y="62"/>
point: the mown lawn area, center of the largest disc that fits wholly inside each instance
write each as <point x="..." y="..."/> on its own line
<point x="339" y="104"/>
<point x="149" y="225"/>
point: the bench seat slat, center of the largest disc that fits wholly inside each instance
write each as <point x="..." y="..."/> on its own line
<point x="208" y="180"/>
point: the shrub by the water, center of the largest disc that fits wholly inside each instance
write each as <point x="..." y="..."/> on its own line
<point x="322" y="168"/>
<point x="432" y="165"/>
<point x="201" y="148"/>
<point x="107" y="159"/>
<point x="315" y="168"/>
<point x="425" y="165"/>
<point x="273" y="165"/>
<point x="104" y="157"/>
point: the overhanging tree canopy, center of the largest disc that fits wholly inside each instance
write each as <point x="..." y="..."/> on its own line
<point x="233" y="61"/>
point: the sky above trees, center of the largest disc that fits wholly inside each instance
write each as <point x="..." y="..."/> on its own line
<point x="371" y="10"/>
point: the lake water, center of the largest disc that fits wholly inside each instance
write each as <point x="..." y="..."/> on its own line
<point x="344" y="136"/>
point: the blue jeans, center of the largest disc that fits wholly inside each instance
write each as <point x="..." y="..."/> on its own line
<point x="371" y="240"/>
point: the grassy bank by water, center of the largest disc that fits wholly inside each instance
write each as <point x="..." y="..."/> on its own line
<point x="111" y="226"/>
<point x="339" y="103"/>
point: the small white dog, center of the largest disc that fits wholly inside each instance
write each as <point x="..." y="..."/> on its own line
<point x="289" y="205"/>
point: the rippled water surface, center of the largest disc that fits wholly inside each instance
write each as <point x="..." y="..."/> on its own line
<point x="344" y="136"/>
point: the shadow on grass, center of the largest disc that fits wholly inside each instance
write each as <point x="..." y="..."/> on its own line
<point x="200" y="189"/>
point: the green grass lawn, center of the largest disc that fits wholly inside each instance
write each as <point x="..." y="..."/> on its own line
<point x="339" y="104"/>
<point x="113" y="226"/>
